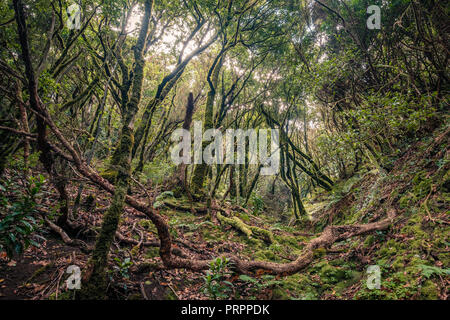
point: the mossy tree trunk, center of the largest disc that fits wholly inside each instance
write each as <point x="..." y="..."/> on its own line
<point x="201" y="170"/>
<point x="289" y="176"/>
<point x="94" y="277"/>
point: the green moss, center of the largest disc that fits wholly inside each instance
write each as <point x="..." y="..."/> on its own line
<point x="244" y="217"/>
<point x="429" y="291"/>
<point x="279" y="293"/>
<point x="249" y="231"/>
<point x="331" y="275"/>
<point x="266" y="254"/>
<point x="266" y="235"/>
<point x="183" y="204"/>
<point x="178" y="191"/>
<point x="319" y="252"/>
<point x="297" y="286"/>
<point x="170" y="295"/>
<point x="95" y="286"/>
<point x="369" y="241"/>
<point x="422" y="184"/>
<point x="236" y="223"/>
<point x="152" y="252"/>
<point x="109" y="174"/>
<point x="146" y="267"/>
<point x="290" y="241"/>
<point x="399" y="263"/>
<point x="67" y="295"/>
<point x="147" y="225"/>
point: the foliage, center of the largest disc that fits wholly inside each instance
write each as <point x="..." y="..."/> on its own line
<point x="258" y="204"/>
<point x="122" y="267"/>
<point x="216" y="287"/>
<point x="18" y="214"/>
<point x="429" y="271"/>
<point x="266" y="281"/>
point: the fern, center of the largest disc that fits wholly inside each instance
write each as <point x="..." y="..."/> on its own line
<point x="429" y="271"/>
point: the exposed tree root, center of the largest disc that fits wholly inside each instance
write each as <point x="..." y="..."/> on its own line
<point x="330" y="235"/>
<point x="66" y="239"/>
<point x="155" y="243"/>
<point x="185" y="207"/>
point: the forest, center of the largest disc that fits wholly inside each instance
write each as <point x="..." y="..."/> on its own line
<point x="224" y="150"/>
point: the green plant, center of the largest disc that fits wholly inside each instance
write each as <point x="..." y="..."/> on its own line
<point x="265" y="281"/>
<point x="122" y="267"/>
<point x="258" y="204"/>
<point x="159" y="199"/>
<point x="429" y="271"/>
<point x="17" y="216"/>
<point x="216" y="287"/>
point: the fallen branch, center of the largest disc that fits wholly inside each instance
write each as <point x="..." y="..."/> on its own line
<point x="155" y="243"/>
<point x="65" y="238"/>
<point x="248" y="230"/>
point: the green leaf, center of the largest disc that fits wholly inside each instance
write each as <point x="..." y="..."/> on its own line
<point x="246" y="278"/>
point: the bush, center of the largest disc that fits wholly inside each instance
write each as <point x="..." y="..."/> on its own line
<point x="18" y="211"/>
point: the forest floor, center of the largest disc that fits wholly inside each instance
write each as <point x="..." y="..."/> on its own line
<point x="413" y="253"/>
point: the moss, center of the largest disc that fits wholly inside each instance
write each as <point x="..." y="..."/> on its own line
<point x="170" y="295"/>
<point x="279" y="293"/>
<point x="369" y="241"/>
<point x="148" y="225"/>
<point x="266" y="235"/>
<point x="178" y="191"/>
<point x="429" y="291"/>
<point x="244" y="217"/>
<point x="406" y="200"/>
<point x="152" y="252"/>
<point x="183" y="204"/>
<point x="319" y="252"/>
<point x="95" y="275"/>
<point x="236" y="223"/>
<point x="249" y="231"/>
<point x="399" y="263"/>
<point x="291" y="241"/>
<point x="109" y="174"/>
<point x="297" y="286"/>
<point x="331" y="275"/>
<point x="445" y="181"/>
<point x="135" y="250"/>
<point x="266" y="254"/>
<point x="66" y="295"/>
<point x="146" y="267"/>
<point x="422" y="184"/>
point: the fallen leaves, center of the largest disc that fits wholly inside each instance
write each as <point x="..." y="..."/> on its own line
<point x="12" y="263"/>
